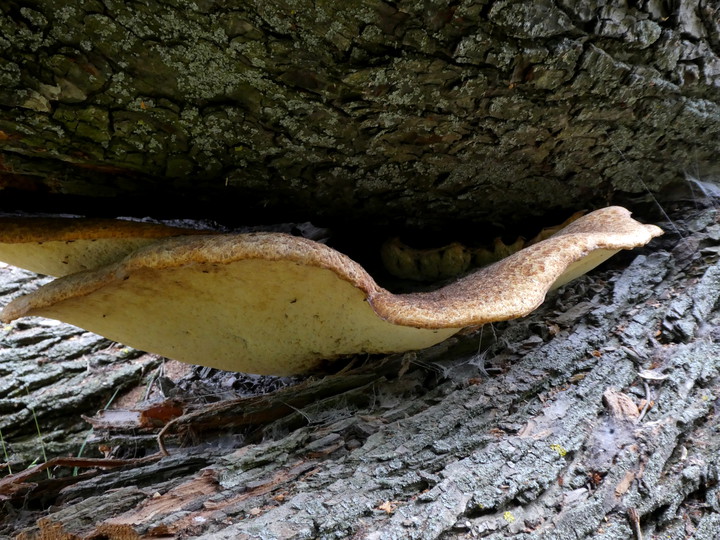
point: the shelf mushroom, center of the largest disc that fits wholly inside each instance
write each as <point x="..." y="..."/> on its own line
<point x="62" y="246"/>
<point x="270" y="303"/>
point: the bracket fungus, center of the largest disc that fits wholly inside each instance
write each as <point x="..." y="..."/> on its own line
<point x="448" y="261"/>
<point x="62" y="246"/>
<point x="271" y="303"/>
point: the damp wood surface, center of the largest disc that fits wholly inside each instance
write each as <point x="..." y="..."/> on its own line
<point x="599" y="406"/>
<point x="411" y="114"/>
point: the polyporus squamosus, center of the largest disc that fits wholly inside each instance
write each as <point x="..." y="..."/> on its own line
<point x="272" y="303"/>
<point x="62" y="246"/>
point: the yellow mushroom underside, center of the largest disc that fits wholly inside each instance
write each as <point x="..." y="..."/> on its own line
<point x="63" y="246"/>
<point x="263" y="317"/>
<point x="276" y="304"/>
<point x="61" y="258"/>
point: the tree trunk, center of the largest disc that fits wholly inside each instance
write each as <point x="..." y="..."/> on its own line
<point x="591" y="418"/>
<point x="594" y="417"/>
<point x="401" y="114"/>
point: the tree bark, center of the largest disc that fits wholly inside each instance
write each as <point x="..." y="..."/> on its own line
<point x="590" y="417"/>
<point x="400" y="114"/>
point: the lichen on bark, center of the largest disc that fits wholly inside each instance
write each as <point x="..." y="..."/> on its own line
<point x="557" y="425"/>
<point x="419" y="115"/>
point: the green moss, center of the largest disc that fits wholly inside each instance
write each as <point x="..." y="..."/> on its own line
<point x="178" y="166"/>
<point x="235" y="24"/>
<point x="90" y="122"/>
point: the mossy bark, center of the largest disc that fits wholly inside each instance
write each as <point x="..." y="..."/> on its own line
<point x="566" y="424"/>
<point x="417" y="114"/>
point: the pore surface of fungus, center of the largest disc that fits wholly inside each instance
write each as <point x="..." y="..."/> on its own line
<point x="62" y="246"/>
<point x="277" y="304"/>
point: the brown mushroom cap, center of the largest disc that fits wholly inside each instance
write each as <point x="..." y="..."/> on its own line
<point x="276" y="304"/>
<point x="516" y="285"/>
<point x="62" y="246"/>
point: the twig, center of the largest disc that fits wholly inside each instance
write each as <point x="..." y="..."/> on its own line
<point x="646" y="407"/>
<point x="103" y="463"/>
<point x="634" y="519"/>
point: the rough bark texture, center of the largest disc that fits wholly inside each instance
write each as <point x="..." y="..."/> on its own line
<point x="599" y="407"/>
<point x="418" y="114"/>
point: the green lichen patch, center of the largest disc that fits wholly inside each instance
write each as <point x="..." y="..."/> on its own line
<point x="90" y="123"/>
